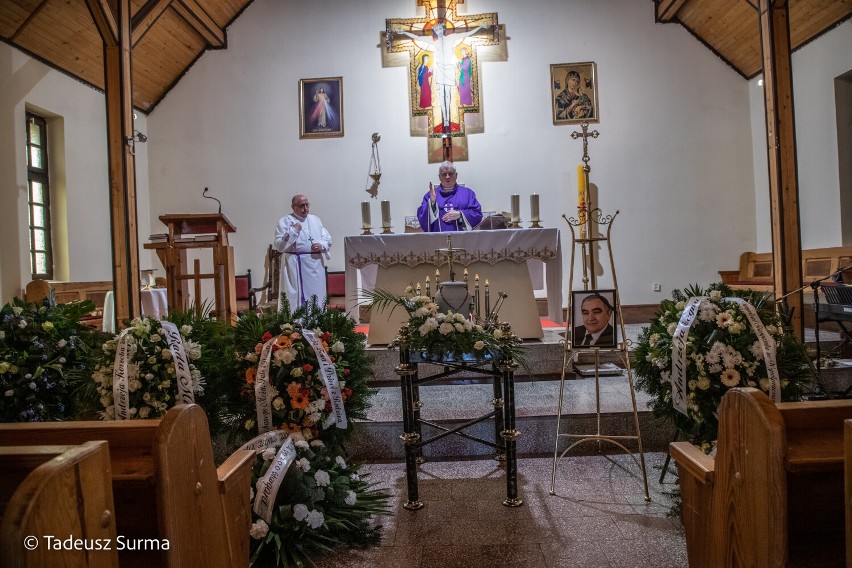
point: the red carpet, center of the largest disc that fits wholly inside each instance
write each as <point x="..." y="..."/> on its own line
<point x="545" y="324"/>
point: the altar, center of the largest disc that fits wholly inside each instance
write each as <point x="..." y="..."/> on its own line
<point x="504" y="257"/>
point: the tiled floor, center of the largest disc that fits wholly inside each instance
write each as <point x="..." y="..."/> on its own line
<point x="598" y="517"/>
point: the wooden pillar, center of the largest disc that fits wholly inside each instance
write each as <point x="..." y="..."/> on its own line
<point x="114" y="29"/>
<point x="781" y="146"/>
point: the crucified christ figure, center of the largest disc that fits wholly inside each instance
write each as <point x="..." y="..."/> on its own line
<point x="445" y="74"/>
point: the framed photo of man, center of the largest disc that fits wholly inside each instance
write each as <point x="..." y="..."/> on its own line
<point x="574" y="92"/>
<point x="321" y="108"/>
<point x="593" y="319"/>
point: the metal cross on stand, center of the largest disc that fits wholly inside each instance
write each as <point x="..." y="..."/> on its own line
<point x="586" y="206"/>
<point x="450" y="250"/>
<point x="585" y="134"/>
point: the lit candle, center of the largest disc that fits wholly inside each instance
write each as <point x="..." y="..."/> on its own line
<point x="437" y="278"/>
<point x="534" y="208"/>
<point x="582" y="201"/>
<point x="386" y="218"/>
<point x="487" y="300"/>
<point x="465" y="274"/>
<point x="365" y="215"/>
<point x="516" y="209"/>
<point x="427" y="286"/>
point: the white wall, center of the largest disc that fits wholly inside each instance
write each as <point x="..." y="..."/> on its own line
<point x="672" y="155"/>
<point x="77" y="131"/>
<point x="815" y="66"/>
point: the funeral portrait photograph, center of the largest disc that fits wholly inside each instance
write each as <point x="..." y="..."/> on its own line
<point x="594" y="320"/>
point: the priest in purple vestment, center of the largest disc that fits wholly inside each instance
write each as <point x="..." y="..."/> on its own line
<point x="453" y="208"/>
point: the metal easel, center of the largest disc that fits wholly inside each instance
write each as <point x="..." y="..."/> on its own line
<point x="590" y="222"/>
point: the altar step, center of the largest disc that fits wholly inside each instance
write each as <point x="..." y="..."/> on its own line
<point x="450" y="403"/>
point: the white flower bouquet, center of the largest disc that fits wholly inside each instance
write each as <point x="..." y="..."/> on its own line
<point x="722" y="351"/>
<point x="150" y="367"/>
<point x="446" y="334"/>
<point x="322" y="501"/>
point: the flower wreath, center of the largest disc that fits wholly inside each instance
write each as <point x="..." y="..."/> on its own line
<point x="147" y="369"/>
<point x="44" y="352"/>
<point x="321" y="500"/>
<point x="281" y="391"/>
<point x="300" y="397"/>
<point x="722" y="350"/>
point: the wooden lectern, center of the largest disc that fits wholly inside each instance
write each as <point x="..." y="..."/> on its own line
<point x="194" y="231"/>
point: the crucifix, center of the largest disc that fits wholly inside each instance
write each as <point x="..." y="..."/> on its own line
<point x="442" y="51"/>
<point x="586" y="206"/>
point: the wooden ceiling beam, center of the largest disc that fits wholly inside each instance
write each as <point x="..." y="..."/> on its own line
<point x="783" y="169"/>
<point x="104" y="19"/>
<point x="198" y="19"/>
<point x="667" y="9"/>
<point x="145" y="18"/>
<point x="32" y="15"/>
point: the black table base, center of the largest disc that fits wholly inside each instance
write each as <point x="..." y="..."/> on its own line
<point x="506" y="434"/>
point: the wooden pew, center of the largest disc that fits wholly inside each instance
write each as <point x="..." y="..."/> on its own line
<point x="755" y="271"/>
<point x="773" y="495"/>
<point x="165" y="486"/>
<point x="847" y="466"/>
<point x="64" y="292"/>
<point x="58" y="491"/>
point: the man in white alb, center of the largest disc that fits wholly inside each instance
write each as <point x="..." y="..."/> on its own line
<point x="305" y="244"/>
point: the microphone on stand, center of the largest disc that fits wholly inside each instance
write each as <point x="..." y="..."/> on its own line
<point x="204" y="194"/>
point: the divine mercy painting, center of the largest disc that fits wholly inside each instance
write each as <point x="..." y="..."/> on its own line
<point x="321" y="107"/>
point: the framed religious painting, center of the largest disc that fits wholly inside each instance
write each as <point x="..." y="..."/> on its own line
<point x="321" y="108"/>
<point x="593" y="321"/>
<point x="574" y="92"/>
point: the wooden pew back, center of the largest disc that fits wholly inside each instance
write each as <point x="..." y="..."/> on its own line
<point x="64" y="292"/>
<point x="61" y="491"/>
<point x="772" y="496"/>
<point x="755" y="270"/>
<point x="165" y="486"/>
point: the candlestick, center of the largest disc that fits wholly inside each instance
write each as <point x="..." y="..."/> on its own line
<point x="437" y="278"/>
<point x="465" y="275"/>
<point x="427" y="286"/>
<point x="386" y="218"/>
<point x="487" y="300"/>
<point x="534" y="217"/>
<point x="476" y="295"/>
<point x="516" y="210"/>
<point x="417" y="288"/>
<point x="582" y="200"/>
<point x="365" y="217"/>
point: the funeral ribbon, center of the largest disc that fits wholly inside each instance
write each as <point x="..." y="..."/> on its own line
<point x="120" y="382"/>
<point x="182" y="374"/>
<point x="679" y="339"/>
<point x="263" y="388"/>
<point x="268" y="485"/>
<point x="328" y="372"/>
<point x="767" y="346"/>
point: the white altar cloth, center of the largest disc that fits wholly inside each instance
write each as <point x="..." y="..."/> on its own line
<point x="154" y="303"/>
<point x="408" y="258"/>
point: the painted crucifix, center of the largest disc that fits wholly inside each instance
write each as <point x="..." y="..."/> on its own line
<point x="442" y="52"/>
